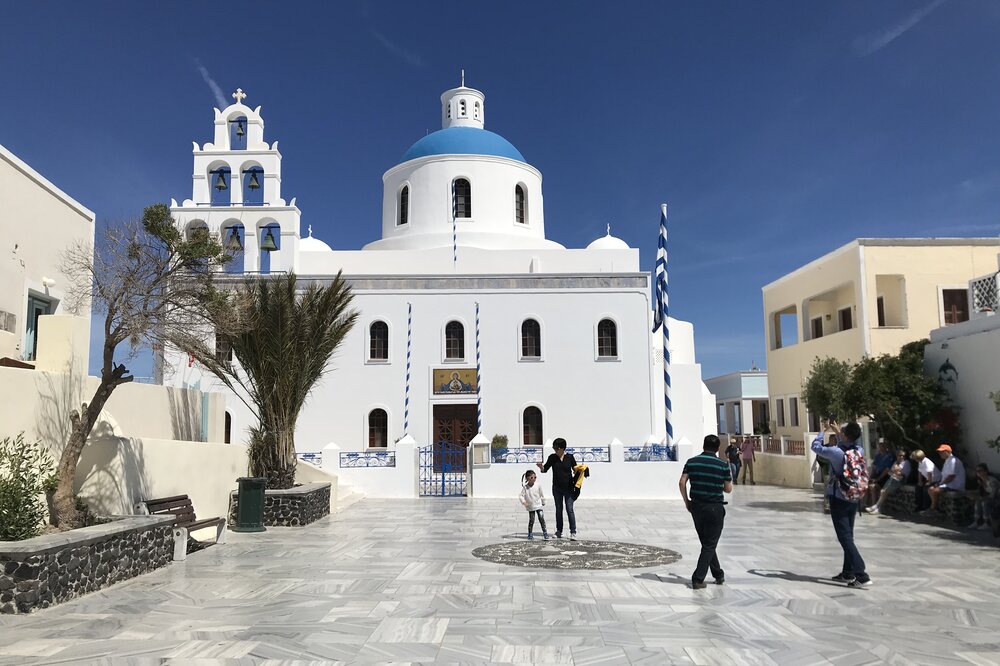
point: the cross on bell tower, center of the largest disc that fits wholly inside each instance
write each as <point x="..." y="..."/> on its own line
<point x="239" y="95"/>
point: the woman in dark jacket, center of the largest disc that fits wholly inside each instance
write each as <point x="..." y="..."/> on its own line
<point x="562" y="464"/>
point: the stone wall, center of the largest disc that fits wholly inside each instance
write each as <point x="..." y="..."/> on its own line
<point x="46" y="570"/>
<point x="293" y="507"/>
<point x="956" y="507"/>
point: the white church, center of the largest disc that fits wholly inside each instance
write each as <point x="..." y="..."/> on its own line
<point x="472" y="322"/>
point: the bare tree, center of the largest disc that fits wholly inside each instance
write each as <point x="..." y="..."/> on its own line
<point x="148" y="281"/>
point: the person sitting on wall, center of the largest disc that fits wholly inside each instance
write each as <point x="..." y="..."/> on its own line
<point x="927" y="474"/>
<point x="898" y="473"/>
<point x="953" y="478"/>
<point x="881" y="468"/>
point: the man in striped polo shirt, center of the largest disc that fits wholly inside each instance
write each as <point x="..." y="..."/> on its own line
<point x="710" y="477"/>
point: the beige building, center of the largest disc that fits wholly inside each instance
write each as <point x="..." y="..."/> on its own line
<point x="868" y="297"/>
<point x="37" y="222"/>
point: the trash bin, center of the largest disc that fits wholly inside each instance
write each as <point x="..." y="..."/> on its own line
<point x="249" y="505"/>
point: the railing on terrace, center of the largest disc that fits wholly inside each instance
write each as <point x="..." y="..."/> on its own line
<point x="536" y="454"/>
<point x="795" y="447"/>
<point x="772" y="445"/>
<point x="650" y="453"/>
<point x="367" y="458"/>
<point x="984" y="293"/>
<point x="312" y="457"/>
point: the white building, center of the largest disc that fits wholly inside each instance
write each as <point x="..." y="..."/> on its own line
<point x="38" y="223"/>
<point x="741" y="401"/>
<point x="468" y="313"/>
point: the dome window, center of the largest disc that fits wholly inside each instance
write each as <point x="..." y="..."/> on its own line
<point x="519" y="206"/>
<point x="476" y="111"/>
<point x="461" y="108"/>
<point x="404" y="206"/>
<point x="462" y="198"/>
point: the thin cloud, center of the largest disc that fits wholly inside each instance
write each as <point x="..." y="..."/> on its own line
<point x="871" y="43"/>
<point x="220" y="99"/>
<point x="409" y="57"/>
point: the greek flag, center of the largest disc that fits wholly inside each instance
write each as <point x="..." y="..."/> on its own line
<point x="660" y="319"/>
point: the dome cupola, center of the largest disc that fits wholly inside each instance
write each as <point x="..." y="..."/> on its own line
<point x="463" y="107"/>
<point x="608" y="242"/>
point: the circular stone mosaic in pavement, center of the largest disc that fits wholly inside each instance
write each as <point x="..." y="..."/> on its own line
<point x="565" y="554"/>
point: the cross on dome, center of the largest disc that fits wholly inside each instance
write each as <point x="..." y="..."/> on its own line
<point x="609" y="228"/>
<point x="239" y="95"/>
<point x="463" y="78"/>
<point x="310" y="231"/>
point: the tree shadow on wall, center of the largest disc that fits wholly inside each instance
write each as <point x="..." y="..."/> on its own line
<point x="112" y="472"/>
<point x="185" y="414"/>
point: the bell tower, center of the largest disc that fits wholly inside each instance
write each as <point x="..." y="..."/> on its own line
<point x="236" y="193"/>
<point x="463" y="107"/>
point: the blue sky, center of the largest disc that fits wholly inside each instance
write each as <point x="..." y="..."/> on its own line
<point x="775" y="130"/>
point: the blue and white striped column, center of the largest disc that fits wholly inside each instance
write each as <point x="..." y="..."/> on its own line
<point x="479" y="379"/>
<point x="409" y="344"/>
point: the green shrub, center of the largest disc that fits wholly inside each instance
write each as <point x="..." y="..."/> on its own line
<point x="24" y="468"/>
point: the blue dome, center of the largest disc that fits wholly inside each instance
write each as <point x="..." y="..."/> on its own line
<point x="463" y="141"/>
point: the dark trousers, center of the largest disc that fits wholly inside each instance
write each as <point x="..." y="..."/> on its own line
<point x="564" y="497"/>
<point x="843" y="514"/>
<point x="922" y="496"/>
<point x="541" y="521"/>
<point x="708" y="522"/>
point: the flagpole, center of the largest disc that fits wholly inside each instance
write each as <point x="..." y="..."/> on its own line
<point x="661" y="318"/>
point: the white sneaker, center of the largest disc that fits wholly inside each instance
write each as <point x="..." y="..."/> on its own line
<point x="572" y="536"/>
<point x="873" y="510"/>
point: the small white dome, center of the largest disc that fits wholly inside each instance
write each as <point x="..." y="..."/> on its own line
<point x="608" y="242"/>
<point x="310" y="244"/>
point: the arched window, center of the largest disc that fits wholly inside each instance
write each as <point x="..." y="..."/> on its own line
<point x="378" y="429"/>
<point x="607" y="339"/>
<point x="477" y="111"/>
<point x="519" y="208"/>
<point x="531" y="339"/>
<point x="229" y="429"/>
<point x="253" y="186"/>
<point x="219" y="182"/>
<point x="532" y="426"/>
<point x="404" y="205"/>
<point x="197" y="229"/>
<point x="238" y="133"/>
<point x="378" y="341"/>
<point x="461" y="108"/>
<point x="454" y="340"/>
<point x="448" y="110"/>
<point x="463" y="198"/>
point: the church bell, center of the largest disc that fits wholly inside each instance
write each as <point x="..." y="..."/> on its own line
<point x="233" y="243"/>
<point x="269" y="244"/>
<point x="254" y="184"/>
<point x="239" y="129"/>
<point x="220" y="181"/>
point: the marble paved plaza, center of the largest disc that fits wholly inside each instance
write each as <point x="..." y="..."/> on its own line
<point x="394" y="581"/>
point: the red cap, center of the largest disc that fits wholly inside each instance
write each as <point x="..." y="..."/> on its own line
<point x="944" y="448"/>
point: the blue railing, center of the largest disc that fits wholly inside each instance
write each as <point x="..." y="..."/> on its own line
<point x="650" y="453"/>
<point x="368" y="459"/>
<point x="313" y="457"/>
<point x="535" y="454"/>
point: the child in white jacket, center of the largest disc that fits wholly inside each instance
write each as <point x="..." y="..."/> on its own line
<point x="533" y="500"/>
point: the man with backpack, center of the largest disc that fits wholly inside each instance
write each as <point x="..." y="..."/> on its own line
<point x="846" y="486"/>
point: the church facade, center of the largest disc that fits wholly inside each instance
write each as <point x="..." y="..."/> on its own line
<point x="471" y="320"/>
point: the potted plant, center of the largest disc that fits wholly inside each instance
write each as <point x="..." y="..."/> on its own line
<point x="498" y="448"/>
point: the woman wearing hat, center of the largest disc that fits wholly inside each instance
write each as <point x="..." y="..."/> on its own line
<point x="952" y="477"/>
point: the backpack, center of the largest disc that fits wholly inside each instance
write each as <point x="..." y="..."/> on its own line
<point x="854" y="480"/>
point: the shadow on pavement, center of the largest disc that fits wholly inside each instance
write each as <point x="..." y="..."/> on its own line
<point x="793" y="577"/>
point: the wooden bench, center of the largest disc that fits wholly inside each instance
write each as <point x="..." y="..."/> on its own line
<point x="185" y="520"/>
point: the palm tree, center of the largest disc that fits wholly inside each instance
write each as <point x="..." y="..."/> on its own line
<point x="283" y="335"/>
